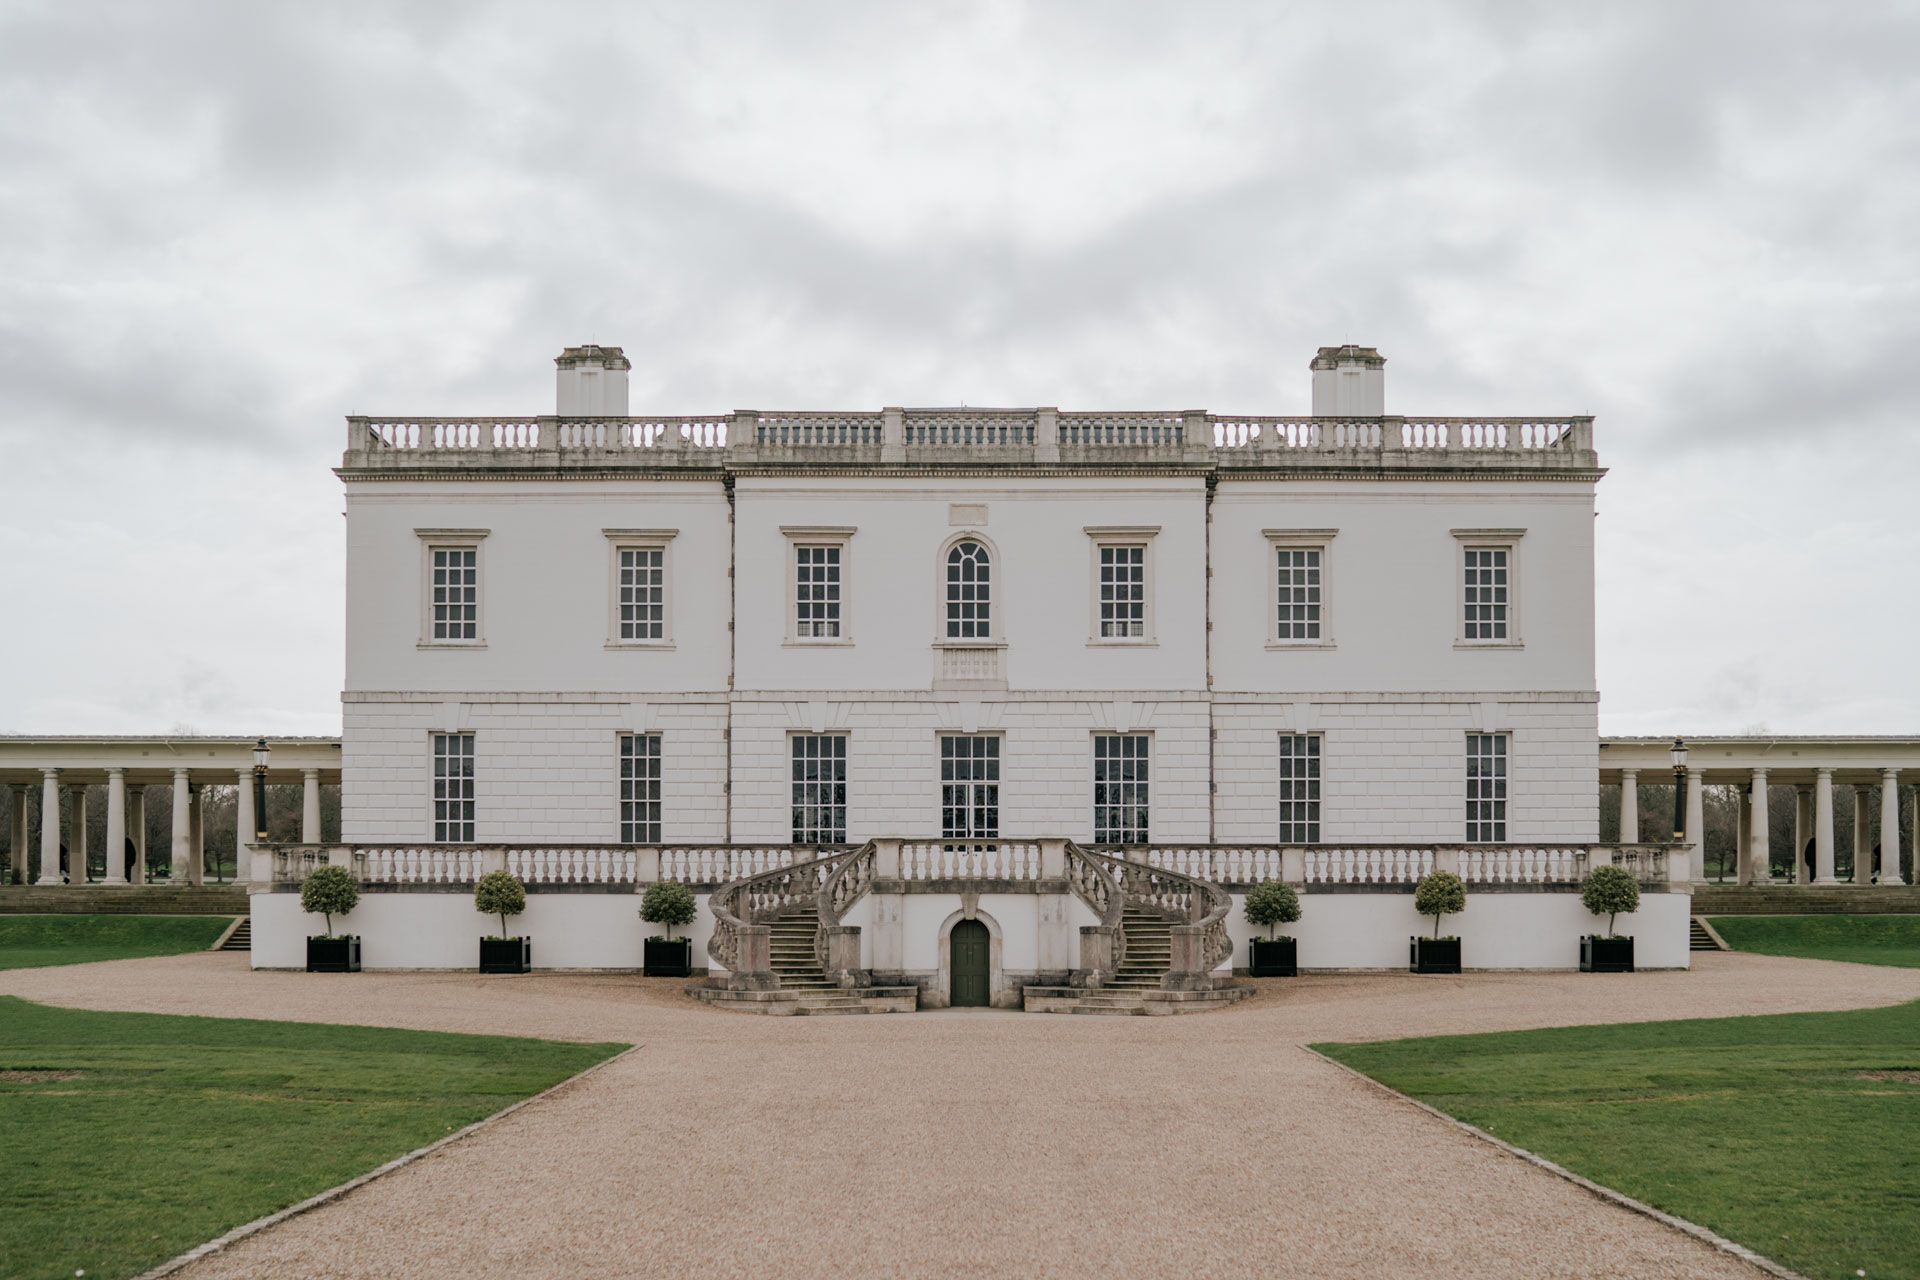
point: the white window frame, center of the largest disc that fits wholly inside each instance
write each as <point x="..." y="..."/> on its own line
<point x="1320" y="540"/>
<point x="619" y="540"/>
<point x="1093" y="788"/>
<point x="1507" y="540"/>
<point x="622" y="822"/>
<point x="845" y="758"/>
<point x="840" y="536"/>
<point x="1504" y="798"/>
<point x="975" y="786"/>
<point x="435" y="827"/>
<point x="1317" y="815"/>
<point x="1116" y="535"/>
<point x="432" y="540"/>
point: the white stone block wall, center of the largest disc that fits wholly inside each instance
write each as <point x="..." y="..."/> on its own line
<point x="1393" y="767"/>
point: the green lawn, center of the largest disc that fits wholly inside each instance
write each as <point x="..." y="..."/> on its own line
<point x="1781" y="1132"/>
<point x="27" y="942"/>
<point x="132" y="1137"/>
<point x="1891" y="940"/>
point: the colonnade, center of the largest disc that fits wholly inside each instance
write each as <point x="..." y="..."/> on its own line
<point x="1813" y="820"/>
<point x="126" y="821"/>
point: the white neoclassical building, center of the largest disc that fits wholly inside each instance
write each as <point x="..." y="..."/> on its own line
<point x="985" y="703"/>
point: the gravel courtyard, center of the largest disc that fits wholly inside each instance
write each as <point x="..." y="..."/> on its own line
<point x="969" y="1143"/>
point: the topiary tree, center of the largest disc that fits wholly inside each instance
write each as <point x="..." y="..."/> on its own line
<point x="500" y="893"/>
<point x="1272" y="902"/>
<point x="329" y="891"/>
<point x="1439" y="893"/>
<point x="667" y="902"/>
<point x="1610" y="892"/>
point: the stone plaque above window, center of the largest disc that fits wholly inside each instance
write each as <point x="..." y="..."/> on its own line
<point x="967" y="515"/>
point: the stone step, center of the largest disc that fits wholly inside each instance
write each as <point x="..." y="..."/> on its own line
<point x="241" y="939"/>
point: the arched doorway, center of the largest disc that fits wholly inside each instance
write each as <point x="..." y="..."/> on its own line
<point x="971" y="965"/>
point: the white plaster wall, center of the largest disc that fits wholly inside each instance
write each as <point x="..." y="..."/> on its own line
<point x="545" y="582"/>
<point x="1044" y="579"/>
<point x="442" y="930"/>
<point x="1017" y="914"/>
<point x="1393" y="767"/>
<point x="1496" y="931"/>
<point x="1394" y="587"/>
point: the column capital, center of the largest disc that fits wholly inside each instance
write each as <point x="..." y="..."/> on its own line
<point x="1759" y="772"/>
<point x="1823" y="773"/>
<point x="115" y="771"/>
<point x="1890" y="777"/>
<point x="51" y="775"/>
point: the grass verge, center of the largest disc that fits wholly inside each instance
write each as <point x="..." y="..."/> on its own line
<point x="1893" y="940"/>
<point x="28" y="942"/>
<point x="133" y="1137"/>
<point x="1793" y="1134"/>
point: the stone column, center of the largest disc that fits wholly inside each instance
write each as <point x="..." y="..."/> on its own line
<point x="1629" y="806"/>
<point x="116" y="869"/>
<point x="1823" y="827"/>
<point x="1759" y="856"/>
<point x="1862" y="844"/>
<point x="1802" y="832"/>
<point x="197" y="840"/>
<point x="1742" y="835"/>
<point x="242" y="822"/>
<point x="180" y="848"/>
<point x="309" y="806"/>
<point x="49" y="827"/>
<point x="137" y="827"/>
<point x="1696" y="865"/>
<point x="19" y="833"/>
<point x="77" y="833"/>
<point x="1890" y="827"/>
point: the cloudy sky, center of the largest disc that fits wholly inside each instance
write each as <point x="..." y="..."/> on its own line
<point x="224" y="226"/>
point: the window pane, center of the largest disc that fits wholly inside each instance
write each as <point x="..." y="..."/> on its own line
<point x="1120" y="788"/>
<point x="453" y="793"/>
<point x="1298" y="594"/>
<point x="643" y="593"/>
<point x="968" y="592"/>
<point x="819" y="789"/>
<point x="1123" y="592"/>
<point x="640" y="788"/>
<point x="1487" y="788"/>
<point x="817" y="592"/>
<point x="1299" y="789"/>
<point x="969" y="787"/>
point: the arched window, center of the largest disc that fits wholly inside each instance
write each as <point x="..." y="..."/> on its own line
<point x="969" y="594"/>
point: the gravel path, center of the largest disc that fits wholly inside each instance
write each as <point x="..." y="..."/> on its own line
<point x="969" y="1143"/>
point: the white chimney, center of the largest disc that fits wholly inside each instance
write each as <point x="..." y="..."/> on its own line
<point x="1349" y="382"/>
<point x="592" y="382"/>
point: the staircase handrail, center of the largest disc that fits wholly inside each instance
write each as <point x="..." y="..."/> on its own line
<point x="749" y="899"/>
<point x="1187" y="899"/>
<point x="1095" y="885"/>
<point x="845" y="885"/>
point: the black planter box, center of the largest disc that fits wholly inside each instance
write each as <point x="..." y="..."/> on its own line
<point x="1278" y="958"/>
<point x="1434" y="955"/>
<point x="1606" y="955"/>
<point x="333" y="955"/>
<point x="506" y="955"/>
<point x="668" y="957"/>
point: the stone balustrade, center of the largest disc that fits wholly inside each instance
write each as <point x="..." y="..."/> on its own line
<point x="943" y="436"/>
<point x="932" y="865"/>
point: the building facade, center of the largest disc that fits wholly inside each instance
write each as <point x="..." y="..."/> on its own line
<point x="1355" y="640"/>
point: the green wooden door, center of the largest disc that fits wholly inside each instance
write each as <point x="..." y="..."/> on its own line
<point x="970" y="964"/>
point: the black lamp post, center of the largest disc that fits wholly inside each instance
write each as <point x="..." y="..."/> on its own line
<point x="260" y="754"/>
<point x="1679" y="754"/>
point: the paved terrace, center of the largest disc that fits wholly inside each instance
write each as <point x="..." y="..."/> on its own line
<point x="970" y="1143"/>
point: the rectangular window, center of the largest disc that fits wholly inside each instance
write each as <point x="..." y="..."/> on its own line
<point x="456" y="593"/>
<point x="816" y="592"/>
<point x="1120" y="788"/>
<point x="1123" y="592"/>
<point x="1486" y="593"/>
<point x="969" y="787"/>
<point x="819" y="788"/>
<point x="453" y="788"/>
<point x="643" y="593"/>
<point x="639" y="788"/>
<point x="1298" y="594"/>
<point x="1486" y="788"/>
<point x="1299" y="788"/>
